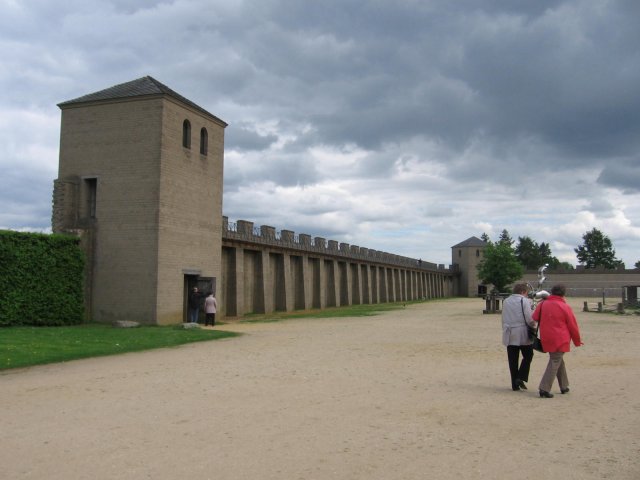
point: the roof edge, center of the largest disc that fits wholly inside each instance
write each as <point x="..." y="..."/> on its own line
<point x="146" y="86"/>
<point x="471" y="242"/>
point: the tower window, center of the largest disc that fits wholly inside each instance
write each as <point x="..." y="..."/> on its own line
<point x="186" y="134"/>
<point x="204" y="141"/>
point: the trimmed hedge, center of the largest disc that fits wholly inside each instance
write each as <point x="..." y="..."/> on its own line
<point x="41" y="279"/>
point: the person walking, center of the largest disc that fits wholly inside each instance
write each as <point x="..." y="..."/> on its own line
<point x="516" y="318"/>
<point x="558" y="327"/>
<point x="210" y="308"/>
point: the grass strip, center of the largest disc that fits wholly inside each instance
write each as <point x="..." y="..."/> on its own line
<point x="27" y="346"/>
<point x="331" y="312"/>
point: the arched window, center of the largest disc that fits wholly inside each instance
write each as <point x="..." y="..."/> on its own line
<point x="204" y="141"/>
<point x="477" y="253"/>
<point x="186" y="134"/>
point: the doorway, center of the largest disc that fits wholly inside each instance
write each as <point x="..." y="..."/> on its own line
<point x="206" y="285"/>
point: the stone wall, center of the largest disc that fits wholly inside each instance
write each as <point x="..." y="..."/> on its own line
<point x="265" y="270"/>
<point x="587" y="282"/>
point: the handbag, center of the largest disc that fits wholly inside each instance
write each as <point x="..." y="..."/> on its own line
<point x="533" y="332"/>
<point x="537" y="344"/>
<point x="535" y="341"/>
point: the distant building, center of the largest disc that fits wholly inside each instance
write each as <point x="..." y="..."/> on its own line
<point x="467" y="255"/>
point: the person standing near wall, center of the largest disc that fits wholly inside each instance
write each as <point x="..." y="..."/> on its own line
<point x="194" y="305"/>
<point x="558" y="327"/>
<point x="210" y="309"/>
<point x="516" y="317"/>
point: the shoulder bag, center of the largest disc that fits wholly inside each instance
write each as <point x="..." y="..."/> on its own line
<point x="535" y="341"/>
<point x="533" y="332"/>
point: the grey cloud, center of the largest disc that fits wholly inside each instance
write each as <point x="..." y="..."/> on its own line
<point x="438" y="210"/>
<point x="278" y="168"/>
<point x="26" y="199"/>
<point x="245" y="139"/>
<point x="289" y="171"/>
<point x="622" y="174"/>
<point x="601" y="206"/>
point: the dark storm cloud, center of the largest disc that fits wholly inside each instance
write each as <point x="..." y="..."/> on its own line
<point x="623" y="174"/>
<point x="573" y="86"/>
<point x="371" y="74"/>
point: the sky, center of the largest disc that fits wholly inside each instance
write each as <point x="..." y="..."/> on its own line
<point x="404" y="126"/>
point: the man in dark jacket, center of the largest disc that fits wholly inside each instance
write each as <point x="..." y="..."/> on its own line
<point x="194" y="305"/>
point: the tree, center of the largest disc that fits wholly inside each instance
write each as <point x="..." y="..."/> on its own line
<point x="546" y="257"/>
<point x="597" y="250"/>
<point x="637" y="265"/>
<point x="532" y="256"/>
<point x="527" y="253"/>
<point x="505" y="238"/>
<point x="485" y="238"/>
<point x="499" y="267"/>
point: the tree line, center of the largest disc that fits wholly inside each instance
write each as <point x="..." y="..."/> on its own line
<point x="503" y="263"/>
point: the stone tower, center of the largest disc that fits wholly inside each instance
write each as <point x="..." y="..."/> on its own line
<point x="140" y="182"/>
<point x="467" y="255"/>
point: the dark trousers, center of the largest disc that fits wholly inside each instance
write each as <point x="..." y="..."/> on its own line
<point x="522" y="372"/>
<point x="210" y="318"/>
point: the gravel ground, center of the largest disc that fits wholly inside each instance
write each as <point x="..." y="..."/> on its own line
<point x="421" y="392"/>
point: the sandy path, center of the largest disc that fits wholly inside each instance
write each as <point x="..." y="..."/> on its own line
<point x="416" y="393"/>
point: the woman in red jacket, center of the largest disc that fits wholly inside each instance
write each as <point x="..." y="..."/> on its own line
<point x="558" y="326"/>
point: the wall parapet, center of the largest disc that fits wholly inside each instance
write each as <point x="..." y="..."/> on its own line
<point x="243" y="230"/>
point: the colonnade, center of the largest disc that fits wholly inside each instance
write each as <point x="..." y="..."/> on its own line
<point x="259" y="278"/>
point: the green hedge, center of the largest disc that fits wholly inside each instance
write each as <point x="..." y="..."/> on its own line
<point x="40" y="279"/>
